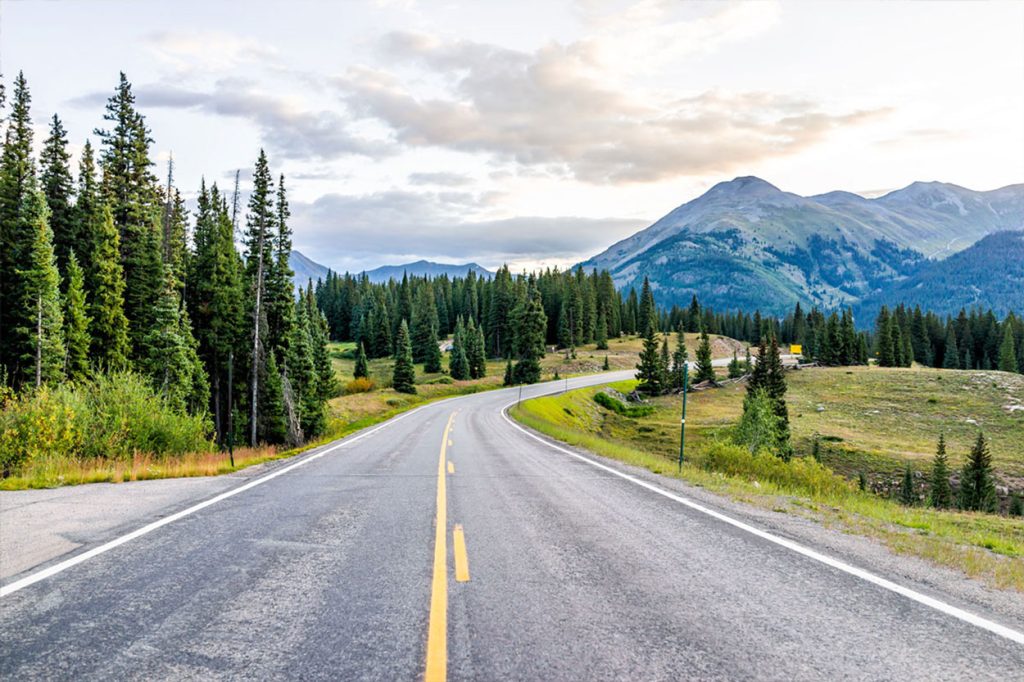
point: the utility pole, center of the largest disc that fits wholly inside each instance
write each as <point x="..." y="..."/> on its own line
<point x="682" y="423"/>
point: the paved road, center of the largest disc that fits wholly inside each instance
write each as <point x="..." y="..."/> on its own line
<point x="331" y="570"/>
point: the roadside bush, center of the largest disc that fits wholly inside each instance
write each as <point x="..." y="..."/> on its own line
<point x="634" y="411"/>
<point x="802" y="474"/>
<point x="112" y="417"/>
<point x="360" y="385"/>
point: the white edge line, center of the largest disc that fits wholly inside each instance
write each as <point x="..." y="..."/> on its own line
<point x="938" y="605"/>
<point x="53" y="570"/>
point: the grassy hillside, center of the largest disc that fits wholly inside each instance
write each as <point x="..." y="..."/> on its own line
<point x="873" y="420"/>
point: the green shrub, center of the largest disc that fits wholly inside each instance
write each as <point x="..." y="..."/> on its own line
<point x="634" y="411"/>
<point x="112" y="416"/>
<point x="803" y="474"/>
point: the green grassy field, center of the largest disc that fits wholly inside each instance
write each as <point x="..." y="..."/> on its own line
<point x="986" y="546"/>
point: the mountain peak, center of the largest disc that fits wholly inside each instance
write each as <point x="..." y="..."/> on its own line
<point x="745" y="184"/>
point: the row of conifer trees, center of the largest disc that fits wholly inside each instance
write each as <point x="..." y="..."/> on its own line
<point x="107" y="272"/>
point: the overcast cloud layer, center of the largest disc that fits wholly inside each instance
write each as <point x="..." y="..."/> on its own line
<point x="537" y="132"/>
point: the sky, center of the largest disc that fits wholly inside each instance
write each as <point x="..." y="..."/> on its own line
<point x="533" y="133"/>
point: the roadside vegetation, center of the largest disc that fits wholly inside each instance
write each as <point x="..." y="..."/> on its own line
<point x="875" y="422"/>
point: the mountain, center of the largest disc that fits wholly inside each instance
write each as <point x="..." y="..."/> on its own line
<point x="305" y="270"/>
<point x="990" y="274"/>
<point x="422" y="267"/>
<point x="747" y="244"/>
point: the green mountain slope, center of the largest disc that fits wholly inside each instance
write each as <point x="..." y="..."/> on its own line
<point x="745" y="243"/>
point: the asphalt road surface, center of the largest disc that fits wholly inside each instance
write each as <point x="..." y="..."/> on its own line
<point x="545" y="565"/>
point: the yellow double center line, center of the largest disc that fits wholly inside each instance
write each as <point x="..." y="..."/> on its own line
<point x="437" y="631"/>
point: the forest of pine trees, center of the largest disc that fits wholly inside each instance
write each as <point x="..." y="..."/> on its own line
<point x="107" y="272"/>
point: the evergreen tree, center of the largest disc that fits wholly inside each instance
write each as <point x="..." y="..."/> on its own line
<point x="606" y="366"/>
<point x="951" y="355"/>
<point x="42" y="358"/>
<point x="362" y="368"/>
<point x="768" y="377"/>
<point x="977" y="488"/>
<point x="647" y="315"/>
<point x="705" y="368"/>
<point x="1007" y="351"/>
<point x="907" y="494"/>
<point x="76" y="323"/>
<point x="476" y="353"/>
<point x="131" y="190"/>
<point x="649" y="372"/>
<point x="58" y="187"/>
<point x="319" y="335"/>
<point x="941" y="497"/>
<point x="665" y="363"/>
<point x="273" y="422"/>
<point x="530" y="326"/>
<point x="88" y="217"/>
<point x="499" y="332"/>
<point x="1016" y="505"/>
<point x="862" y="481"/>
<point x="601" y="331"/>
<point x="301" y="379"/>
<point x="735" y="368"/>
<point x="679" y="359"/>
<point x="169" y="355"/>
<point x="108" y="328"/>
<point x="404" y="374"/>
<point x="458" y="364"/>
<point x="259" y="254"/>
<point x="432" y="361"/>
<point x="509" y="378"/>
<point x="280" y="293"/>
<point x="424" y="327"/>
<point x="19" y="231"/>
<point x="816" y="449"/>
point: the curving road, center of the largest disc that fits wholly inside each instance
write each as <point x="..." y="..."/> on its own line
<point x="548" y="565"/>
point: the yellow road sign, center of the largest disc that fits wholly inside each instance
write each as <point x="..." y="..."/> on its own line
<point x="796" y="349"/>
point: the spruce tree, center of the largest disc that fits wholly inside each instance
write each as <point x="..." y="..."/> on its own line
<point x="1016" y="505"/>
<point x="862" y="482"/>
<point x="476" y="353"/>
<point x="273" y="420"/>
<point x="665" y="363"/>
<point x="404" y="374"/>
<point x="705" y="369"/>
<point x="768" y="377"/>
<point x="76" y="323"/>
<point x="1007" y="351"/>
<point x="88" y="217"/>
<point x="302" y="379"/>
<point x="168" y="353"/>
<point x="41" y="360"/>
<point x="907" y="494"/>
<point x="132" y="192"/>
<point x="458" y="363"/>
<point x="647" y="315"/>
<point x="279" y="290"/>
<point x="108" y="327"/>
<point x="735" y="368"/>
<point x="509" y="378"/>
<point x="951" y="355"/>
<point x="424" y="326"/>
<point x="941" y="496"/>
<point x="679" y="359"/>
<point x="432" y="361"/>
<point x="260" y="221"/>
<point x="18" y="233"/>
<point x="977" y="488"/>
<point x="362" y="368"/>
<point x="530" y="325"/>
<point x="58" y="187"/>
<point x="601" y="331"/>
<point x="319" y="335"/>
<point x="649" y="372"/>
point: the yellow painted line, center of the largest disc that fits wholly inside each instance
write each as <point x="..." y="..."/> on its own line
<point x="437" y="630"/>
<point x="451" y="467"/>
<point x="461" y="560"/>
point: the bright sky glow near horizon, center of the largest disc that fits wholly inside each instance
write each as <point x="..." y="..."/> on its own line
<point x="534" y="132"/>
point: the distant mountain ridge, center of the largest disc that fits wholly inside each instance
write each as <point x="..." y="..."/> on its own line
<point x="747" y="244"/>
<point x="423" y="268"/>
<point x="989" y="274"/>
<point x="306" y="269"/>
